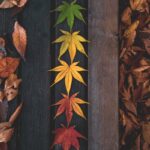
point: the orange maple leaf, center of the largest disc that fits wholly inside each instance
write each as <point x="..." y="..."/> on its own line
<point x="68" y="105"/>
<point x="67" y="137"/>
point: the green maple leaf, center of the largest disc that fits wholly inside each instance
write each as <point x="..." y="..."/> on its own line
<point x="68" y="11"/>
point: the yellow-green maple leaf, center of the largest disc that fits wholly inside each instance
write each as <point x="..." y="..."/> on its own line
<point x="68" y="72"/>
<point x="71" y="42"/>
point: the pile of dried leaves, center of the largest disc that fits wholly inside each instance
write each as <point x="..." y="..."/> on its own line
<point x="134" y="82"/>
<point x="9" y="81"/>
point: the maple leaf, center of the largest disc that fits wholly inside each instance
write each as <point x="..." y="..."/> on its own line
<point x="67" y="137"/>
<point x="20" y="39"/>
<point x="72" y="43"/>
<point x="68" y="105"/>
<point x="68" y="72"/>
<point x="69" y="11"/>
<point x="8" y="65"/>
<point x="12" y="3"/>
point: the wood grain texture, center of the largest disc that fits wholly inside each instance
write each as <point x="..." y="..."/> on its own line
<point x="103" y="75"/>
<point x="33" y="128"/>
<point x="80" y="123"/>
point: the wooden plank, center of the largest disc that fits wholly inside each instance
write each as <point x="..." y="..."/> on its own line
<point x="80" y="123"/>
<point x="103" y="75"/>
<point x="33" y="130"/>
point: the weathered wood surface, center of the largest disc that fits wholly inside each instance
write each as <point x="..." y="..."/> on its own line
<point x="34" y="124"/>
<point x="80" y="123"/>
<point x="103" y="75"/>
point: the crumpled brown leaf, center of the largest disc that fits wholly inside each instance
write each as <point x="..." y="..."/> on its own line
<point x="139" y="5"/>
<point x="6" y="130"/>
<point x="6" y="135"/>
<point x="2" y="42"/>
<point x="146" y="132"/>
<point x="15" y="115"/>
<point x="12" y="3"/>
<point x="147" y="45"/>
<point x="10" y="88"/>
<point x="8" y="65"/>
<point x="20" y="39"/>
<point x="130" y="33"/>
<point x="126" y="16"/>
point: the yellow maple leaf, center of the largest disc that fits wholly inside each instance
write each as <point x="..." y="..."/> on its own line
<point x="71" y="42"/>
<point x="68" y="72"/>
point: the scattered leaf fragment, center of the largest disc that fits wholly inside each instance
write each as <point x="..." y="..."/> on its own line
<point x="126" y="16"/>
<point x="11" y="87"/>
<point x="20" y="39"/>
<point x="6" y="135"/>
<point x="15" y="115"/>
<point x="3" y="52"/>
<point x="8" y="65"/>
<point x="139" y="5"/>
<point x="12" y="3"/>
<point x="147" y="45"/>
<point x="146" y="132"/>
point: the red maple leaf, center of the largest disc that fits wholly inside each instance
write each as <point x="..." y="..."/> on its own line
<point x="67" y="137"/>
<point x="68" y="105"/>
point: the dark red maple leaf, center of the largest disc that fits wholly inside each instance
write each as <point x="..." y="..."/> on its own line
<point x="67" y="137"/>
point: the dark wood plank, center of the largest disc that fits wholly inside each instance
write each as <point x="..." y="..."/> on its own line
<point x="80" y="123"/>
<point x="33" y="131"/>
<point x="103" y="75"/>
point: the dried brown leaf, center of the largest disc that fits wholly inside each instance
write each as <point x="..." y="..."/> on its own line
<point x="12" y="82"/>
<point x="126" y="16"/>
<point x="11" y="93"/>
<point x="2" y="95"/>
<point x="12" y="3"/>
<point x="147" y="103"/>
<point x="2" y="42"/>
<point x="8" y="65"/>
<point x="4" y="125"/>
<point x="147" y="45"/>
<point x="146" y="132"/>
<point x="6" y="135"/>
<point x="15" y="115"/>
<point x="139" y="5"/>
<point x="20" y="39"/>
